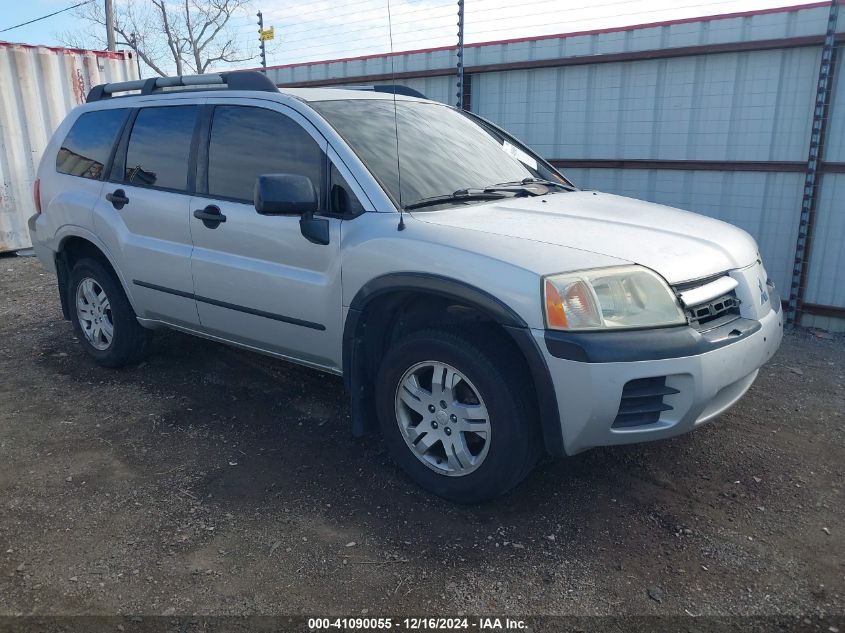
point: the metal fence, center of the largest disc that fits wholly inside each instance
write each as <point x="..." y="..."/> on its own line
<point x="40" y="85"/>
<point x="710" y="114"/>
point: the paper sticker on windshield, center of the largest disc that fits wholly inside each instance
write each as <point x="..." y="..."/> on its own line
<point x="519" y="155"/>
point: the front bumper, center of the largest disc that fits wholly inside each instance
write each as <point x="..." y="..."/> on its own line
<point x="708" y="382"/>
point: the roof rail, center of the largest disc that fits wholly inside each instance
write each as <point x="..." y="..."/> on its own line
<point x="235" y="80"/>
<point x="388" y="88"/>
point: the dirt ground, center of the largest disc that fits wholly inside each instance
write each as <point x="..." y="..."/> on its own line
<point x="209" y="480"/>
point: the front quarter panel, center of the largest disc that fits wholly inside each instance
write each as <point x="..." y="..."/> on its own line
<point x="507" y="268"/>
<point x="373" y="247"/>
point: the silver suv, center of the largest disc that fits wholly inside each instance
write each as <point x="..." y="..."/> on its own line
<point x="481" y="309"/>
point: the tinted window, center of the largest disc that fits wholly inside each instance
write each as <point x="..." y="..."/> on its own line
<point x="86" y="149"/>
<point x="343" y="200"/>
<point x="441" y="149"/>
<point x="159" y="147"/>
<point x="247" y="142"/>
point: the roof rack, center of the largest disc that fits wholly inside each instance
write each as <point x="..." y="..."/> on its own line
<point x="235" y="80"/>
<point x="388" y="88"/>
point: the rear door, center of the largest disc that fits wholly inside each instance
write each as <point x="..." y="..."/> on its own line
<point x="145" y="210"/>
<point x="257" y="280"/>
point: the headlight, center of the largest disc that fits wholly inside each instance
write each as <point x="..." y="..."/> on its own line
<point x="610" y="298"/>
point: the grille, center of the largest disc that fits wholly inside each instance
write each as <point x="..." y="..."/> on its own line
<point x="714" y="312"/>
<point x="642" y="402"/>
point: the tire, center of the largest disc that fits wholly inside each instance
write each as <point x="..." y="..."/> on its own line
<point x="483" y="464"/>
<point x="105" y="326"/>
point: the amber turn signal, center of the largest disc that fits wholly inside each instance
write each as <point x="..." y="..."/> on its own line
<point x="555" y="314"/>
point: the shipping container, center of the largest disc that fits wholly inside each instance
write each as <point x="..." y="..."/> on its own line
<point x="39" y="85"/>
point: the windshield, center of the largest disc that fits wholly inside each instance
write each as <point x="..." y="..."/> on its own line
<point x="442" y="150"/>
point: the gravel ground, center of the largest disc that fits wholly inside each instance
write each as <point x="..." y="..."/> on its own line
<point x="208" y="480"/>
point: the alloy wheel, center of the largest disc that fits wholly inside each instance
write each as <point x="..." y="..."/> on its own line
<point x="93" y="310"/>
<point x="443" y="418"/>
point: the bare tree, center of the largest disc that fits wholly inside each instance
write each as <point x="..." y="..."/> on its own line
<point x="178" y="34"/>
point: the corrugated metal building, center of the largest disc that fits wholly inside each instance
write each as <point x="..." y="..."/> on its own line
<point x="39" y="85"/>
<point x="708" y="114"/>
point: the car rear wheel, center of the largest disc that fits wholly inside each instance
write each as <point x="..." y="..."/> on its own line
<point x="102" y="317"/>
<point x="456" y="416"/>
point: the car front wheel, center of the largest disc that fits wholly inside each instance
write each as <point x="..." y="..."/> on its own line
<point x="456" y="416"/>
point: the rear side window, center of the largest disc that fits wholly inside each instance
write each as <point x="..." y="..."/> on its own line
<point x="247" y="142"/>
<point x="86" y="148"/>
<point x="159" y="147"/>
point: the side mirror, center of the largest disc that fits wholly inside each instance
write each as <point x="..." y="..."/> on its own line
<point x="285" y="194"/>
<point x="315" y="230"/>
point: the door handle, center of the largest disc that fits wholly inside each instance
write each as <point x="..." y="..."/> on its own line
<point x="210" y="216"/>
<point x="117" y="198"/>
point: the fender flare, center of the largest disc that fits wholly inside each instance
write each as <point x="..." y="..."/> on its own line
<point x="68" y="231"/>
<point x="354" y="361"/>
<point x="438" y="285"/>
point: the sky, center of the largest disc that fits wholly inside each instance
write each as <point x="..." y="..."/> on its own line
<point x="331" y="29"/>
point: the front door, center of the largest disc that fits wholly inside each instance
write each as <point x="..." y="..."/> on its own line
<point x="257" y="280"/>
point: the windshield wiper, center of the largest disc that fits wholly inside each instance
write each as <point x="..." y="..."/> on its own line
<point x="525" y="187"/>
<point x="462" y="195"/>
<point x="534" y="181"/>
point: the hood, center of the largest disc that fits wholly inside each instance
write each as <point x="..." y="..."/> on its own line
<point x="679" y="245"/>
